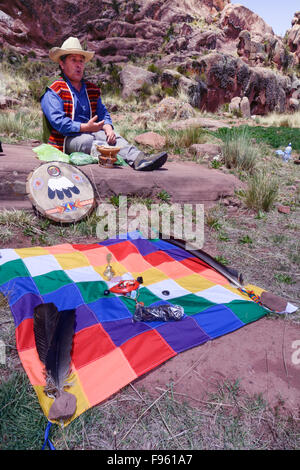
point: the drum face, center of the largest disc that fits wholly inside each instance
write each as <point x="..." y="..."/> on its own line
<point x="60" y="192"/>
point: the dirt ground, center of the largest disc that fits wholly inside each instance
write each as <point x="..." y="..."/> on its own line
<point x="259" y="357"/>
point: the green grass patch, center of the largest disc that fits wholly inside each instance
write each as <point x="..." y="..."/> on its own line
<point x="276" y="137"/>
<point x="22" y="423"/>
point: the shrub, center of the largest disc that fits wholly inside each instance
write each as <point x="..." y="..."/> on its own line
<point x="154" y="69"/>
<point x="183" y="139"/>
<point x="262" y="191"/>
<point x="239" y="152"/>
<point x="22" y="124"/>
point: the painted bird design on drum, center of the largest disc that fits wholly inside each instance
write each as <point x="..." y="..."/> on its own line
<point x="59" y="185"/>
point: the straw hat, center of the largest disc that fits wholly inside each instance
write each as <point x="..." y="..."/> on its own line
<point x="70" y="46"/>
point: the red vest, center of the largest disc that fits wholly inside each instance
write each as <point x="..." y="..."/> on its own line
<point x="61" y="88"/>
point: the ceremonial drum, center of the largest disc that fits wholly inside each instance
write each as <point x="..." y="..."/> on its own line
<point x="60" y="192"/>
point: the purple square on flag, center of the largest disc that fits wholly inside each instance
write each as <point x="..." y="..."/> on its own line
<point x="24" y="307"/>
<point x="122" y="330"/>
<point x="174" y="251"/>
<point x="144" y="246"/>
<point x="110" y="241"/>
<point x="182" y="334"/>
<point x="85" y="317"/>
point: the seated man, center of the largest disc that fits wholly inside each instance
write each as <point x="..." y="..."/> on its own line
<point x="76" y="115"/>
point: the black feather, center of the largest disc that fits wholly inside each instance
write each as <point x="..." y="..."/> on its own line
<point x="59" y="354"/>
<point x="45" y="320"/>
<point x="53" y="331"/>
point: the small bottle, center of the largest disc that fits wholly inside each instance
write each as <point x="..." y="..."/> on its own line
<point x="287" y="153"/>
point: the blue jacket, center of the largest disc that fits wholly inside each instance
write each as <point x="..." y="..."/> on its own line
<point x="53" y="108"/>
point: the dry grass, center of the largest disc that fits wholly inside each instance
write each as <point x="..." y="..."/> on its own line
<point x="280" y="120"/>
<point x="239" y="152"/>
<point x="22" y="124"/>
<point x="264" y="247"/>
<point x="262" y="191"/>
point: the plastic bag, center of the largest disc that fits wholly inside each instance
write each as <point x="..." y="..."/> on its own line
<point x="80" y="158"/>
<point x="48" y="153"/>
<point x="94" y="151"/>
<point x="160" y="312"/>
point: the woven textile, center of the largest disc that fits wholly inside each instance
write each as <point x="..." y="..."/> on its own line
<point x="109" y="349"/>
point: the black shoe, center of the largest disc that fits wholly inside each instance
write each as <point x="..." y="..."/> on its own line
<point x="145" y="162"/>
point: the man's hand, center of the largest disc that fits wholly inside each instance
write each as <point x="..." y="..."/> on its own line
<point x="110" y="134"/>
<point x="92" y="125"/>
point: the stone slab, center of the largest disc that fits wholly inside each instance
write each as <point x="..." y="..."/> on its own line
<point x="185" y="181"/>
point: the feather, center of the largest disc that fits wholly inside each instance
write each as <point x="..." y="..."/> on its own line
<point x="59" y="354"/>
<point x="45" y="320"/>
<point x="231" y="274"/>
<point x="54" y="332"/>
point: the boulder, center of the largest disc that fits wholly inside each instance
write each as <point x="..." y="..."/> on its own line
<point x="205" y="150"/>
<point x="234" y="105"/>
<point x="245" y="107"/>
<point x="171" y="108"/>
<point x="252" y="52"/>
<point x="228" y="77"/>
<point x="294" y="104"/>
<point x="184" y="181"/>
<point x="133" y="79"/>
<point x="293" y="38"/>
<point x="152" y="139"/>
<point x="7" y="102"/>
<point x="240" y="106"/>
<point x="193" y="89"/>
<point x="127" y="46"/>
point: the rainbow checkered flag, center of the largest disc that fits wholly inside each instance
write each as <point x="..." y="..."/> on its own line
<point x="110" y="350"/>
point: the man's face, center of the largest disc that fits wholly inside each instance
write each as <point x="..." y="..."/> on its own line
<point x="73" y="67"/>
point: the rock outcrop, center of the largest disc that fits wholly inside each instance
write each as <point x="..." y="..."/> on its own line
<point x="237" y="18"/>
<point x="133" y="79"/>
<point x="293" y="37"/>
<point x="212" y="49"/>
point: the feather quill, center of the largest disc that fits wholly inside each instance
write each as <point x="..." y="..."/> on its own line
<point x="54" y="332"/>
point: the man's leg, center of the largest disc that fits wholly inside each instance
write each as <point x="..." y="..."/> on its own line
<point x="80" y="143"/>
<point x="131" y="154"/>
<point x="84" y="142"/>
